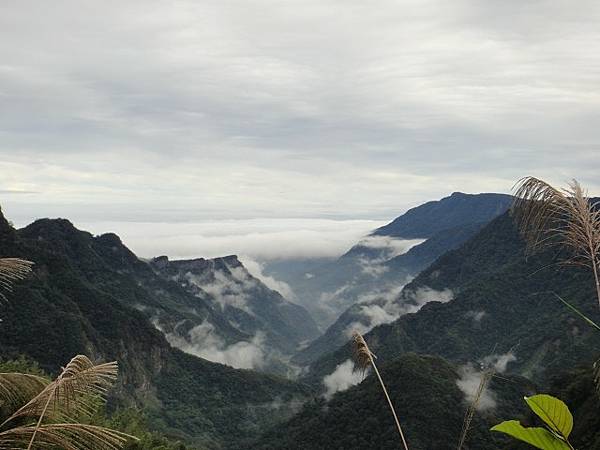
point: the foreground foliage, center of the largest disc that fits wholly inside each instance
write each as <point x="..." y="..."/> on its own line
<point x="555" y="415"/>
<point x="47" y="414"/>
<point x="364" y="359"/>
<point x="564" y="217"/>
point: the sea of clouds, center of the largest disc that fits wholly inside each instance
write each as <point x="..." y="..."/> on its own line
<point x="258" y="239"/>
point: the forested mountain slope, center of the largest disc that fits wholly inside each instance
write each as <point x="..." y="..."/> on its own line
<point x="78" y="301"/>
<point x="501" y="300"/>
<point x="392" y="254"/>
<point x="230" y="311"/>
<point x="428" y="401"/>
<point x="242" y="299"/>
<point x="376" y="305"/>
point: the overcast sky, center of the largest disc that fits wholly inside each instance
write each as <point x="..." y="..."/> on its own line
<point x="191" y="111"/>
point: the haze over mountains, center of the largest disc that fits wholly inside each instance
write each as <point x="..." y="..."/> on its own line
<point x="448" y="278"/>
<point x="358" y="290"/>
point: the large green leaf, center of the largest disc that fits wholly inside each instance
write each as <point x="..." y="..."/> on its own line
<point x="553" y="412"/>
<point x="538" y="437"/>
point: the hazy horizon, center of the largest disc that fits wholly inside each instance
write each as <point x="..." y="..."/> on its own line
<point x="259" y="238"/>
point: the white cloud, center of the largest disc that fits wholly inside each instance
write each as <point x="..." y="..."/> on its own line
<point x="256" y="269"/>
<point x="387" y="306"/>
<point x="343" y="377"/>
<point x="468" y="383"/>
<point x="226" y="290"/>
<point x="327" y="298"/>
<point x="373" y="268"/>
<point x="204" y="342"/>
<point x="258" y="239"/>
<point x="389" y="246"/>
<point x="372" y="316"/>
<point x="499" y="362"/>
<point x="424" y="295"/>
<point x="386" y="248"/>
<point x="471" y="378"/>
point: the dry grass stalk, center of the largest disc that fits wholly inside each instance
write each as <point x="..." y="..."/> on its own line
<point x="68" y="436"/>
<point x="75" y="393"/>
<point x="549" y="216"/>
<point x="11" y="270"/>
<point x="16" y="389"/>
<point x="486" y="376"/>
<point x="364" y="358"/>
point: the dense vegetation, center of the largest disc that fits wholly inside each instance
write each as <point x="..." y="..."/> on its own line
<point x="282" y="323"/>
<point x="77" y="302"/>
<point x="103" y="297"/>
<point x="130" y="420"/>
<point x="427" y="399"/>
<point x="513" y="295"/>
<point x="368" y="269"/>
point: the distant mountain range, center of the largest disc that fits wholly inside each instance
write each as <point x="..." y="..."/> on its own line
<point x="390" y="256"/>
<point x="370" y="275"/>
<point x="473" y="298"/>
<point x="500" y="300"/>
<point x="428" y="219"/>
<point x="499" y="307"/>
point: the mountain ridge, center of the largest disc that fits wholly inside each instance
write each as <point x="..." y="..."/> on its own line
<point x="420" y="221"/>
<point x="390" y="273"/>
<point x="373" y="261"/>
<point x="502" y="298"/>
<point x="75" y="302"/>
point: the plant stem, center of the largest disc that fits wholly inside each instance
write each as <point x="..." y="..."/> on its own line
<point x="39" y="423"/>
<point x="576" y="311"/>
<point x="596" y="278"/>
<point x="389" y="402"/>
<point x="485" y="378"/>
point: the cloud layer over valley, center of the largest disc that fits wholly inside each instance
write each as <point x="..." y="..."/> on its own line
<point x="256" y="239"/>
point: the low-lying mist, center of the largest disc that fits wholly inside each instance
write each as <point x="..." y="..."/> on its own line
<point x="260" y="239"/>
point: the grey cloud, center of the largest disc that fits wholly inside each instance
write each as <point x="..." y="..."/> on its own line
<point x="217" y="106"/>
